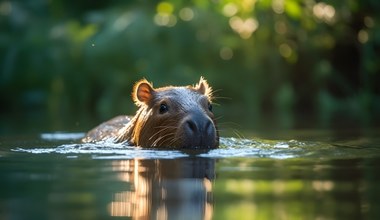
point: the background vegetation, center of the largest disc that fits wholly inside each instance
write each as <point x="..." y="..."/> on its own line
<point x="67" y="65"/>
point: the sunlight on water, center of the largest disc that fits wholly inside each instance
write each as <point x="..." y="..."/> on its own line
<point x="61" y="136"/>
<point x="229" y="148"/>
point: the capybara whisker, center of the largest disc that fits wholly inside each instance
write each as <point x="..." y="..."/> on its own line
<point x="158" y="132"/>
<point x="164" y="137"/>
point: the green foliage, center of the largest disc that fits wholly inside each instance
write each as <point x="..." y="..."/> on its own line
<point x="289" y="60"/>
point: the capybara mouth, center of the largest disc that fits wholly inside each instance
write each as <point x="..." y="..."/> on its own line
<point x="202" y="142"/>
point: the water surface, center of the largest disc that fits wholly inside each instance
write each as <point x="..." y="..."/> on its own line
<point x="53" y="176"/>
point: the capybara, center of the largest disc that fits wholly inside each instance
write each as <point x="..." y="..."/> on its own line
<point x="172" y="116"/>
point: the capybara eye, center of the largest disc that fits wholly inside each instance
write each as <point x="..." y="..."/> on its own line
<point x="210" y="107"/>
<point x="163" y="108"/>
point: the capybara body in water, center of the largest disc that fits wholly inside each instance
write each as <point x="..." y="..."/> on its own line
<point x="170" y="116"/>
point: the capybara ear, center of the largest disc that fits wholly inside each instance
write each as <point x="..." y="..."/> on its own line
<point x="203" y="87"/>
<point x="142" y="92"/>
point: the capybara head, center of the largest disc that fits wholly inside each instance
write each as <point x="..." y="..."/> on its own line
<point x="174" y="116"/>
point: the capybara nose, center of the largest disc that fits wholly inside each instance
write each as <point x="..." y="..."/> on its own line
<point x="199" y="131"/>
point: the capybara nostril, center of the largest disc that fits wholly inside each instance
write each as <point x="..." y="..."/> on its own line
<point x="209" y="128"/>
<point x="192" y="126"/>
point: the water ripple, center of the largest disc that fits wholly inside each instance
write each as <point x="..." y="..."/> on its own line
<point x="229" y="147"/>
<point x="106" y="151"/>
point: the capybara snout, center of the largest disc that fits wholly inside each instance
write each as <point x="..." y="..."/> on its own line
<point x="198" y="130"/>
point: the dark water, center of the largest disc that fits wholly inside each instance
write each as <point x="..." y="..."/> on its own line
<point x="51" y="176"/>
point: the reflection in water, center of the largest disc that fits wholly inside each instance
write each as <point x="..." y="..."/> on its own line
<point x="297" y="189"/>
<point x="250" y="180"/>
<point x="321" y="186"/>
<point x="134" y="202"/>
<point x="164" y="189"/>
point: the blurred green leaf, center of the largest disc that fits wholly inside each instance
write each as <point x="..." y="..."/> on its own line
<point x="293" y="9"/>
